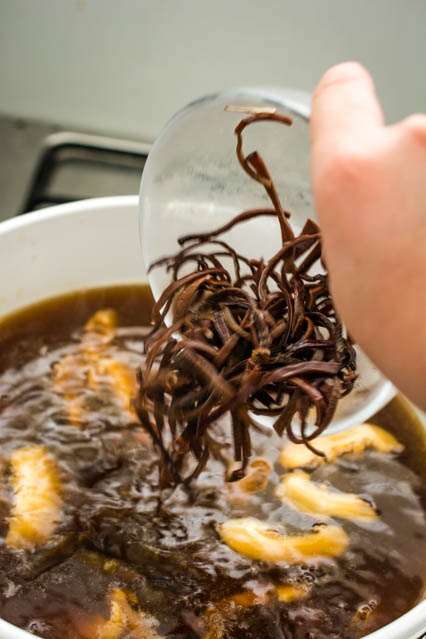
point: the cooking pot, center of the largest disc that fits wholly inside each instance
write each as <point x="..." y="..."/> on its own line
<point x="89" y="244"/>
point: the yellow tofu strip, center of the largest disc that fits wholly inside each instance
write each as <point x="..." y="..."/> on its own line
<point x="121" y="380"/>
<point x="299" y="491"/>
<point x="351" y="441"/>
<point x="256" y="478"/>
<point x="258" y="540"/>
<point x="285" y="593"/>
<point x="250" y="598"/>
<point x="117" y="622"/>
<point x="291" y="592"/>
<point x="67" y="382"/>
<point x="90" y="366"/>
<point x="123" y="622"/>
<point x="103" y="321"/>
<point x="123" y="617"/>
<point x="220" y="611"/>
<point x="36" y="511"/>
<point x="245" y="599"/>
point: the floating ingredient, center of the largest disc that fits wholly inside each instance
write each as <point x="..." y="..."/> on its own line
<point x="91" y="366"/>
<point x="36" y="511"/>
<point x="291" y="592"/>
<point x="298" y="490"/>
<point x="256" y="478"/>
<point x="123" y="620"/>
<point x="352" y="441"/>
<point x="258" y="540"/>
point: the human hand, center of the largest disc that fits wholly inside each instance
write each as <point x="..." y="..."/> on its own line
<point x="369" y="185"/>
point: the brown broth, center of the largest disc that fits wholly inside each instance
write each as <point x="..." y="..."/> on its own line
<point x="118" y="531"/>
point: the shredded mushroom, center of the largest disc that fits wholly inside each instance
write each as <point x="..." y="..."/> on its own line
<point x="257" y="339"/>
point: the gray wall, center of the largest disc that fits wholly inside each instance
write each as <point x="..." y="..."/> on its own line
<point x="125" y="66"/>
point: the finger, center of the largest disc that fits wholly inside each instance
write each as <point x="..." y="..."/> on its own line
<point x="344" y="101"/>
<point x="415" y="126"/>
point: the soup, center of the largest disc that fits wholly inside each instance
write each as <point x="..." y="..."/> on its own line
<point x="301" y="548"/>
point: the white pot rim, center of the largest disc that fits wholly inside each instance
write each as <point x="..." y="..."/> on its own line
<point x="92" y="205"/>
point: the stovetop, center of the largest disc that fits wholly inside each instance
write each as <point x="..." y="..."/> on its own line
<point x="42" y="165"/>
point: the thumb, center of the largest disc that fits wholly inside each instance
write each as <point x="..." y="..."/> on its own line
<point x="344" y="102"/>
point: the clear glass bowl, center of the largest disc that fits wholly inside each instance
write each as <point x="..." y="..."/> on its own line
<point x="193" y="182"/>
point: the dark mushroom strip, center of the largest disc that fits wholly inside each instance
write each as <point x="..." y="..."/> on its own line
<point x="250" y="338"/>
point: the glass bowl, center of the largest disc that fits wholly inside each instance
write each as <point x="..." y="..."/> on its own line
<point x="193" y="182"/>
